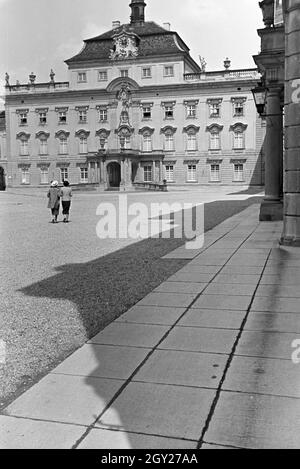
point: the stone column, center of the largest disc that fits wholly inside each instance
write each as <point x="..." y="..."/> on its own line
<point x="153" y="171"/>
<point x="129" y="164"/>
<point x="271" y="207"/>
<point x="160" y="171"/>
<point x="102" y="182"/>
<point x="291" y="226"/>
<point x="123" y="175"/>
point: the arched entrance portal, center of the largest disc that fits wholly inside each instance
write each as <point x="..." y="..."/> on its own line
<point x="114" y="175"/>
<point x="2" y="179"/>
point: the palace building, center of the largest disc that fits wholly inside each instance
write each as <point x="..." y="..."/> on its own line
<point x="136" y="110"/>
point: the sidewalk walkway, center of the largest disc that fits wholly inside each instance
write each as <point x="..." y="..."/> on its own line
<point x="204" y="361"/>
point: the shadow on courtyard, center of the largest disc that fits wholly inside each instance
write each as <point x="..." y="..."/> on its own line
<point x="106" y="287"/>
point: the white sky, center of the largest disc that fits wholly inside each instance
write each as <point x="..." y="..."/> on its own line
<point x="37" y="35"/>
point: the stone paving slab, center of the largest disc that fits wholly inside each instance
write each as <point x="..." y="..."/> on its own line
<point x="103" y="361"/>
<point x="256" y="421"/>
<point x="132" y="335"/>
<point x="192" y="277"/>
<point x="283" y="291"/>
<point x="230" y="289"/>
<point x="192" y="268"/>
<point x="263" y="376"/>
<point x="179" y="300"/>
<point x="66" y="399"/>
<point x="288" y="279"/>
<point x="273" y="322"/>
<point x="212" y="319"/>
<point x="276" y="304"/>
<point x="266" y="344"/>
<point x="199" y="340"/>
<point x="152" y="315"/>
<point x="242" y="270"/>
<point x="155" y="409"/>
<point x="19" y="433"/>
<point x="231" y="302"/>
<point x="180" y="287"/>
<point x="183" y="369"/>
<point x="105" y="439"/>
<point x="236" y="279"/>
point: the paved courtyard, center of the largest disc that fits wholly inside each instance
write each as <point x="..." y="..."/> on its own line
<point x="61" y="284"/>
<point x="207" y="359"/>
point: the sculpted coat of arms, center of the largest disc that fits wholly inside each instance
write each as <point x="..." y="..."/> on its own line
<point x="125" y="47"/>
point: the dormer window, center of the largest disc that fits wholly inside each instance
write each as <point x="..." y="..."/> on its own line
<point x="146" y="72"/>
<point x="169" y="71"/>
<point x="124" y="73"/>
<point x="102" y="75"/>
<point x="82" y="77"/>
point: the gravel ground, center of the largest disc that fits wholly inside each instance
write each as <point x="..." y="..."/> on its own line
<point x="61" y="284"/>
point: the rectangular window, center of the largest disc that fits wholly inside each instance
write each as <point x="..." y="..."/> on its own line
<point x="44" y="176"/>
<point x="24" y="151"/>
<point x="62" y="117"/>
<point x="169" y="71"/>
<point x="102" y="76"/>
<point x="124" y="73"/>
<point x="83" y="145"/>
<point x="191" y="111"/>
<point x="43" y="118"/>
<point x="82" y="116"/>
<point x="25" y="176"/>
<point x="215" y="110"/>
<point x="169" y="143"/>
<point x="238" y="174"/>
<point x="215" y="141"/>
<point x="147" y="173"/>
<point x="170" y="173"/>
<point x="82" y="77"/>
<point x="63" y="146"/>
<point x="146" y="72"/>
<point x="23" y="118"/>
<point x="169" y="112"/>
<point x="103" y="114"/>
<point x="192" y="173"/>
<point x="238" y="140"/>
<point x="147" y="143"/>
<point x="84" y="177"/>
<point x="215" y="173"/>
<point x="43" y="147"/>
<point x="146" y="112"/>
<point x="191" y="142"/>
<point x="238" y="109"/>
<point x="64" y="174"/>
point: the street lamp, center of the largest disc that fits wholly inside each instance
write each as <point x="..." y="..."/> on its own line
<point x="260" y="98"/>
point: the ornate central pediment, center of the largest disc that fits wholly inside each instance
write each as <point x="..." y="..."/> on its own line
<point x="125" y="46"/>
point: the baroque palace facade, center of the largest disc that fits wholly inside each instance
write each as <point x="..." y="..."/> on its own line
<point x="137" y="110"/>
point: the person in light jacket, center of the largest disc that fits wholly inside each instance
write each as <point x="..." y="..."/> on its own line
<point x="54" y="200"/>
<point x="66" y="195"/>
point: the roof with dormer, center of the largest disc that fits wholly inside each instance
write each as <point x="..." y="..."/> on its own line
<point x="153" y="41"/>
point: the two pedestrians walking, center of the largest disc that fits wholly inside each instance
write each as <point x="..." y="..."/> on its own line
<point x="55" y="194"/>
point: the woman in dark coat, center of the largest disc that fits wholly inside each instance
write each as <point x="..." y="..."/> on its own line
<point x="54" y="200"/>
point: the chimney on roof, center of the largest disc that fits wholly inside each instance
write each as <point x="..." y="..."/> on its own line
<point x="167" y="26"/>
<point x="137" y="11"/>
<point x="116" y="24"/>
